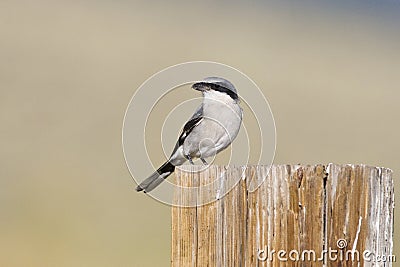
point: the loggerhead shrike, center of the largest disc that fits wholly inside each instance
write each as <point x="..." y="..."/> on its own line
<point x="211" y="129"/>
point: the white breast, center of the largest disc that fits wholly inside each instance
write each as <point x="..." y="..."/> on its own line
<point x="219" y="127"/>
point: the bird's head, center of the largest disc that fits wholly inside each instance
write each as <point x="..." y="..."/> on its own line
<point x="216" y="84"/>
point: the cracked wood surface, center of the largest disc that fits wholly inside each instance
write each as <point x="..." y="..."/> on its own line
<point x="299" y="211"/>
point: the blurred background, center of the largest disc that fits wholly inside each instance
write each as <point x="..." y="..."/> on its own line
<point x="69" y="68"/>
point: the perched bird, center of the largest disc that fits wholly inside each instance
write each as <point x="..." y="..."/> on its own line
<point x="211" y="129"/>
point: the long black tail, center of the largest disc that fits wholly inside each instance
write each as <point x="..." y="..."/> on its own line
<point x="156" y="178"/>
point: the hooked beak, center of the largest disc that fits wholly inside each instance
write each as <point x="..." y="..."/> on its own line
<point x="200" y="86"/>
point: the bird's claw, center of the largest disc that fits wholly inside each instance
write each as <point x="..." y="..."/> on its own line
<point x="189" y="159"/>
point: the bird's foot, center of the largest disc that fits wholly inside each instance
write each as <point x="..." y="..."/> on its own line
<point x="204" y="161"/>
<point x="189" y="159"/>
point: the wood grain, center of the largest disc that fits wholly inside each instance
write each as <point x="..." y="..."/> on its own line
<point x="297" y="211"/>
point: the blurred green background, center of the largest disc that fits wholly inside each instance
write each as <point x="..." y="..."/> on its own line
<point x="69" y="68"/>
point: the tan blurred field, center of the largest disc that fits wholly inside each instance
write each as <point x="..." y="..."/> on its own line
<point x="68" y="70"/>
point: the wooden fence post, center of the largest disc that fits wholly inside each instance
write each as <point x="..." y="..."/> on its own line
<point x="333" y="215"/>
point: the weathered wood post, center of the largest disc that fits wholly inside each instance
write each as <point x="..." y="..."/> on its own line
<point x="334" y="215"/>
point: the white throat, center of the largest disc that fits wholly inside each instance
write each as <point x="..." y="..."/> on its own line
<point x="216" y="103"/>
<point x="217" y="96"/>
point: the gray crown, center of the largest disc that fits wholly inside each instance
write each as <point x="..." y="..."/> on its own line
<point x="221" y="82"/>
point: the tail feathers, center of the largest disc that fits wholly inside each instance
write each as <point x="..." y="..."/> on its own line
<point x="156" y="178"/>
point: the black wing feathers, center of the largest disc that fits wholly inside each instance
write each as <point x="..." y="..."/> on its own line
<point x="188" y="128"/>
<point x="193" y="121"/>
